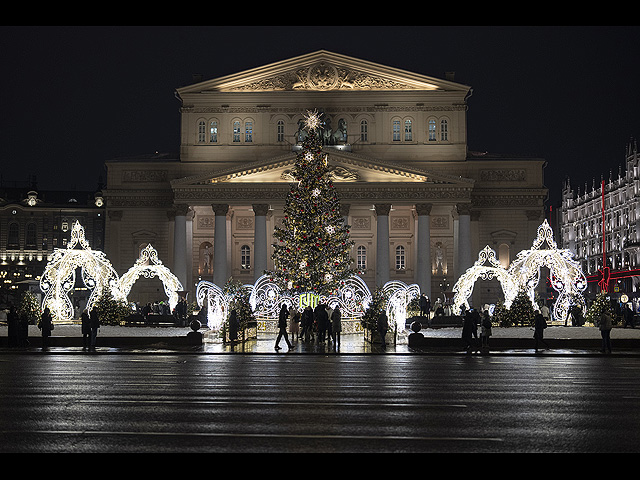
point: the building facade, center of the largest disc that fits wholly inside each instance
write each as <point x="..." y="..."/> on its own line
<point x="583" y="211"/>
<point x="32" y="224"/>
<point x="420" y="204"/>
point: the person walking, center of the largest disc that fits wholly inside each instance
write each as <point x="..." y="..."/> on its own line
<point x="46" y="325"/>
<point x="383" y="326"/>
<point x="605" y="331"/>
<point x="94" y="325"/>
<point x="485" y="331"/>
<point x="336" y="326"/>
<point x="294" y="323"/>
<point x="307" y="323"/>
<point x="628" y="316"/>
<point x="468" y="327"/>
<point x="86" y="330"/>
<point x="538" y="330"/>
<point x="13" y="326"/>
<point x="282" y="327"/>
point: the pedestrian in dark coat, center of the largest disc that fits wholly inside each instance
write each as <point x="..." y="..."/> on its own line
<point x="13" y="327"/>
<point x="336" y="326"/>
<point x="468" y="328"/>
<point x="282" y="327"/>
<point x="322" y="319"/>
<point x="94" y="325"/>
<point x="538" y="330"/>
<point x="605" y="331"/>
<point x="46" y="325"/>
<point x="233" y="326"/>
<point x="307" y="323"/>
<point x="383" y="327"/>
<point x="86" y="330"/>
<point x="628" y="316"/>
<point x="425" y="306"/>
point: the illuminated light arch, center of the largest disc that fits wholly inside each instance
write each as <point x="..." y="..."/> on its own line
<point x="487" y="267"/>
<point x="59" y="276"/>
<point x="149" y="266"/>
<point x="398" y="295"/>
<point x="266" y="298"/>
<point x="566" y="275"/>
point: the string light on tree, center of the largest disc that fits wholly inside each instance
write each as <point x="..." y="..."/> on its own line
<point x="312" y="248"/>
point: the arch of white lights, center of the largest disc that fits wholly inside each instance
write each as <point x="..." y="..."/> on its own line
<point x="59" y="276"/>
<point x="486" y="267"/>
<point x="149" y="266"/>
<point x="266" y="299"/>
<point x="566" y="275"/>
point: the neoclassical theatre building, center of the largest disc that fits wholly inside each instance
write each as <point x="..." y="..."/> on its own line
<point x="421" y="205"/>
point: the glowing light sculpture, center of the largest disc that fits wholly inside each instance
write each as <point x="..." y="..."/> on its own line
<point x="487" y="267"/>
<point x="566" y="275"/>
<point x="59" y="276"/>
<point x="398" y="295"/>
<point x="149" y="266"/>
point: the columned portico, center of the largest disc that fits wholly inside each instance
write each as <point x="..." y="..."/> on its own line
<point x="220" y="269"/>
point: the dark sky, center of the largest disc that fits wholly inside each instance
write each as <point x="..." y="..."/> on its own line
<point x="73" y="97"/>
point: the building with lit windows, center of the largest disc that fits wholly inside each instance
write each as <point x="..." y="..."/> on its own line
<point x="33" y="223"/>
<point x="583" y="210"/>
<point x="421" y="205"/>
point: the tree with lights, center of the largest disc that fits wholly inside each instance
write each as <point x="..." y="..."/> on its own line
<point x="312" y="248"/>
<point x="521" y="310"/>
<point x="600" y="304"/>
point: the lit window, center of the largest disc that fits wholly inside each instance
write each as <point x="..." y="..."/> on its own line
<point x="245" y="257"/>
<point x="248" y="132"/>
<point x="213" y="132"/>
<point x="432" y="130"/>
<point x="400" y="258"/>
<point x="407" y="131"/>
<point x="362" y="257"/>
<point x="236" y="131"/>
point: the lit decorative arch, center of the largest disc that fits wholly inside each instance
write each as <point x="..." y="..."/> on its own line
<point x="398" y="295"/>
<point x="148" y="265"/>
<point x="487" y="267"/>
<point x="566" y="275"/>
<point x="59" y="276"/>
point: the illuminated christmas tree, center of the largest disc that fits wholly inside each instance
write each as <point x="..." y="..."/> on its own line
<point x="311" y="252"/>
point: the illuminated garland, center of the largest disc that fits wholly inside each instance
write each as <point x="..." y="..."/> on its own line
<point x="59" y="276"/>
<point x="148" y="265"/>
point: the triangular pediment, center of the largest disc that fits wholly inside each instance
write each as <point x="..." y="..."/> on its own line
<point x="323" y="71"/>
<point x="343" y="168"/>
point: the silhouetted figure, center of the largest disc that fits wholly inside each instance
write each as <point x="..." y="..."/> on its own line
<point x="538" y="330"/>
<point x="46" y="326"/>
<point x="282" y="327"/>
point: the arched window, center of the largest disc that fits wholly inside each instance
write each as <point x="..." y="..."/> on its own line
<point x="408" y="134"/>
<point x="444" y="131"/>
<point x="400" y="258"/>
<point x="30" y="241"/>
<point x="236" y="131"/>
<point x="361" y="257"/>
<point x="213" y="132"/>
<point x="202" y="131"/>
<point x="503" y="255"/>
<point x="280" y="131"/>
<point x="13" y="239"/>
<point x="396" y="130"/>
<point x="431" y="135"/>
<point x="245" y="257"/>
<point x="248" y="131"/>
<point x="364" y="131"/>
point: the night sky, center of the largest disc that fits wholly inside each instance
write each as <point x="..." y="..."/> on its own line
<point x="74" y="97"/>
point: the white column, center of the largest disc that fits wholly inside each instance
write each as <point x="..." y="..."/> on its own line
<point x="180" y="244"/>
<point x="220" y="244"/>
<point x="260" y="240"/>
<point x="423" y="267"/>
<point x="382" y="243"/>
<point x="464" y="239"/>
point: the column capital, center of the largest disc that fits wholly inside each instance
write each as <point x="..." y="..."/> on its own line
<point x="382" y="208"/>
<point x="220" y="208"/>
<point x="424" y="208"/>
<point x="181" y="210"/>
<point x="344" y="209"/>
<point x="260" y="208"/>
<point x="463" y="208"/>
